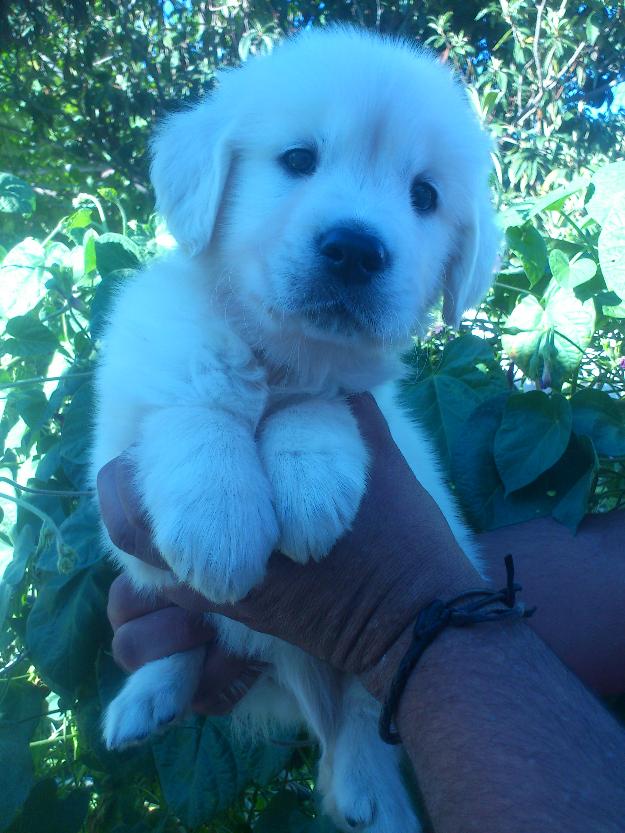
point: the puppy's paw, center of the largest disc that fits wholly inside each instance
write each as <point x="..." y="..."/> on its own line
<point x="361" y="779"/>
<point x="316" y="462"/>
<point x="316" y="499"/>
<point x="209" y="501"/>
<point x="368" y="799"/>
<point x="152" y="699"/>
<point x="220" y="545"/>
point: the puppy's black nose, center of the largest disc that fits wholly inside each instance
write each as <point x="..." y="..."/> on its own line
<point x="353" y="256"/>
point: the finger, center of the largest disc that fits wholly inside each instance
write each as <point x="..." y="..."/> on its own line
<point x="266" y="606"/>
<point x="373" y="426"/>
<point x="281" y="572"/>
<point x="122" y="514"/>
<point x="125" y="602"/>
<point x="225" y="679"/>
<point x="159" y="634"/>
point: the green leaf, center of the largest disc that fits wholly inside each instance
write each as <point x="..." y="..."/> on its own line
<point x="523" y="210"/>
<point x="81" y="218"/>
<point x="31" y="404"/>
<point x="581" y="478"/>
<point x="77" y="426"/>
<point x="572" y="273"/>
<point x="203" y="767"/>
<point x="563" y="490"/>
<point x="20" y="709"/>
<point x="45" y="811"/>
<point x="16" y="196"/>
<point x="534" y="433"/>
<point x="25" y="545"/>
<point x="32" y="338"/>
<point x="114" y="252"/>
<point x="88" y="245"/>
<point x="284" y="814"/>
<point x="548" y="344"/>
<point x="82" y="539"/>
<point x="441" y="404"/>
<point x="609" y="187"/>
<point x="441" y="399"/>
<point x="474" y="474"/>
<point x="471" y="359"/>
<point x="602" y="418"/>
<point x="617" y="311"/>
<point x="66" y="627"/>
<point x="22" y="278"/>
<point x="612" y="247"/>
<point x="528" y="244"/>
<point x="592" y="29"/>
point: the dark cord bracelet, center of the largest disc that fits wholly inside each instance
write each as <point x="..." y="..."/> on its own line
<point x="469" y="608"/>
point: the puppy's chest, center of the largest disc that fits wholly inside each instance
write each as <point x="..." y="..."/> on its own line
<point x="292" y="385"/>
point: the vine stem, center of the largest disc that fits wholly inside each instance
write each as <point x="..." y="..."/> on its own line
<point x="43" y="516"/>
<point x="513" y="288"/>
<point x="50" y="741"/>
<point x="35" y="380"/>
<point x="52" y="492"/>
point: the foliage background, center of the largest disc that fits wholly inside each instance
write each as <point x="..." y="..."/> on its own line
<point x="535" y="376"/>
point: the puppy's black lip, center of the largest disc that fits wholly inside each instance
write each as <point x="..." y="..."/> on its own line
<point x="334" y="315"/>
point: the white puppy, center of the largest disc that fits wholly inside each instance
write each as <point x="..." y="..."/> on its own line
<point x="324" y="197"/>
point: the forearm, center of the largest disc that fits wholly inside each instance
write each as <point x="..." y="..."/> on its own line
<point x="502" y="736"/>
<point x="577" y="583"/>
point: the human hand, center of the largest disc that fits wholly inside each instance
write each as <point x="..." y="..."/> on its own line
<point x="148" y="628"/>
<point x="351" y="608"/>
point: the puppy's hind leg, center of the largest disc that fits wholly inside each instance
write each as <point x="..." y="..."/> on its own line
<point x="364" y="789"/>
<point x="152" y="698"/>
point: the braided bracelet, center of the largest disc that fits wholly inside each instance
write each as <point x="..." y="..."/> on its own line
<point x="469" y="608"/>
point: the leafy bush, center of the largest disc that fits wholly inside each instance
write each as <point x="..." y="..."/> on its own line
<point x="534" y="378"/>
<point x="90" y="77"/>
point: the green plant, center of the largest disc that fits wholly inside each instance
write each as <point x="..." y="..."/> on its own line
<point x="56" y="669"/>
<point x="535" y="376"/>
<point x="540" y="391"/>
<point x="555" y="449"/>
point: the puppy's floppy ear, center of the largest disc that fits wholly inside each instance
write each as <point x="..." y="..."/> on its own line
<point x="470" y="271"/>
<point x="191" y="158"/>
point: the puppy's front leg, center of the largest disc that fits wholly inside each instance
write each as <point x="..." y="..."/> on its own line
<point x="208" y="498"/>
<point x="316" y="462"/>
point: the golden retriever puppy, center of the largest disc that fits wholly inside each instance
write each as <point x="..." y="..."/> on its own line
<point x="324" y="197"/>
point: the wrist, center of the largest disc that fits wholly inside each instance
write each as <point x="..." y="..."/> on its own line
<point x="458" y="577"/>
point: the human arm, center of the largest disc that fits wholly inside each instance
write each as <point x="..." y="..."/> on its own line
<point x="495" y="726"/>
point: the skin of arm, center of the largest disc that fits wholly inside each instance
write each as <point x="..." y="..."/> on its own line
<point x="502" y="736"/>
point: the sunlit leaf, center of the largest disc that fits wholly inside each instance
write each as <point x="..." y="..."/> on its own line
<point x="609" y="186"/>
<point x="529" y="245"/>
<point x="548" y="342"/>
<point x="612" y="247"/>
<point x="22" y="278"/>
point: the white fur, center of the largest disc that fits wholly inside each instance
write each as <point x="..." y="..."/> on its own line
<point x="229" y="383"/>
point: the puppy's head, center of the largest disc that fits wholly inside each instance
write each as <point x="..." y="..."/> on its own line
<point x="339" y="184"/>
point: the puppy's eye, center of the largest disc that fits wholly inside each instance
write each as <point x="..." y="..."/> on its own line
<point x="299" y="161"/>
<point x="423" y="195"/>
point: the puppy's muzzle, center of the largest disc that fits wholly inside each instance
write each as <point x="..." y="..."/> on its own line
<point x="353" y="257"/>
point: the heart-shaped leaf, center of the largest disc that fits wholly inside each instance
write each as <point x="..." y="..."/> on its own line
<point x="571" y="273"/>
<point x="609" y="185"/>
<point x="534" y="432"/>
<point x="548" y="343"/>
<point x="602" y="418"/>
